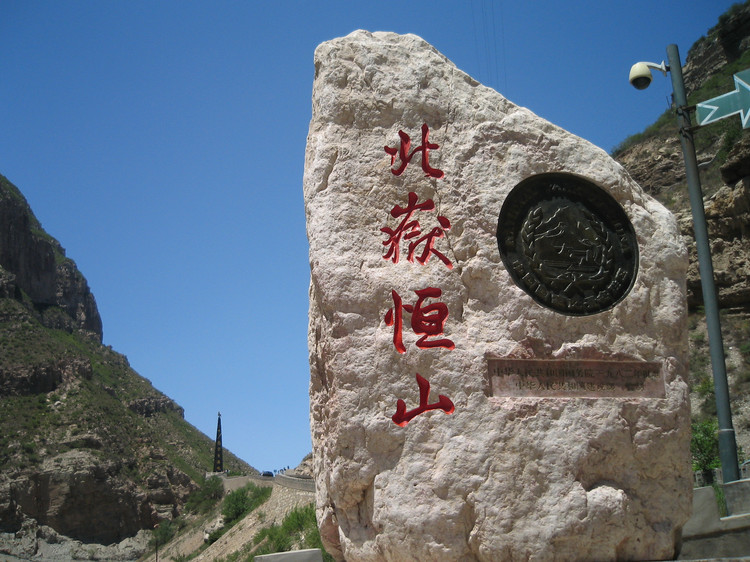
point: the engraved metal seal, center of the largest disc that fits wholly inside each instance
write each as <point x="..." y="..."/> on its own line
<point x="567" y="243"/>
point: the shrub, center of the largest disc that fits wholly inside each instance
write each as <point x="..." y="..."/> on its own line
<point x="205" y="497"/>
<point x="235" y="505"/>
<point x="705" y="387"/>
<point x="216" y="535"/>
<point x="299" y="528"/>
<point x="164" y="532"/>
<point x="704" y="445"/>
<point x="243" y="501"/>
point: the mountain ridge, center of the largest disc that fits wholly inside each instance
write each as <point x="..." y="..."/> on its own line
<point x="88" y="448"/>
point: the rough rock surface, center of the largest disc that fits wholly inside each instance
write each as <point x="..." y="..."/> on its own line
<point x="502" y="478"/>
<point x="33" y="379"/>
<point x="656" y="163"/>
<point x="727" y="218"/>
<point x="150" y="405"/>
<point x="737" y="166"/>
<point x="82" y="497"/>
<point x="40" y="542"/>
<point x="723" y="43"/>
<point x="39" y="267"/>
<point x="658" y="167"/>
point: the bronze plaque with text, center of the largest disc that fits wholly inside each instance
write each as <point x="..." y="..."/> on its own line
<point x="575" y="378"/>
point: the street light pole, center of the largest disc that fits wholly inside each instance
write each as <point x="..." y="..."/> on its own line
<point x="727" y="442"/>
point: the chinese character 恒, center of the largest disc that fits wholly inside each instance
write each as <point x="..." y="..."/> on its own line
<point x="427" y="321"/>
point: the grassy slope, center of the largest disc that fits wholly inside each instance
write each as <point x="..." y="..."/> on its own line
<point x="89" y="402"/>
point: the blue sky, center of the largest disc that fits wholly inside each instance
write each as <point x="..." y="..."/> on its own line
<point x="162" y="143"/>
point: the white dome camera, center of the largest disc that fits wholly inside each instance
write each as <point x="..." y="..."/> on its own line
<point x="640" y="73"/>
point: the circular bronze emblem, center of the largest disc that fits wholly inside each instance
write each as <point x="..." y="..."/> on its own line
<point x="567" y="243"/>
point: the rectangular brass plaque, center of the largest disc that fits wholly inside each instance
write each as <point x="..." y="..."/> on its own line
<point x="575" y="378"/>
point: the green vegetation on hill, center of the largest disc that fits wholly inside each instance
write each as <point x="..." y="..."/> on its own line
<point x="88" y="406"/>
<point x="298" y="530"/>
<point x="240" y="502"/>
<point x="704" y="445"/>
<point x="203" y="501"/>
<point x="165" y="531"/>
<point x="72" y="411"/>
<point x="206" y="496"/>
<point x="726" y="132"/>
<point x="735" y="326"/>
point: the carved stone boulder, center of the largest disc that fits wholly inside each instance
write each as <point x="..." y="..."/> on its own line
<point x="497" y="334"/>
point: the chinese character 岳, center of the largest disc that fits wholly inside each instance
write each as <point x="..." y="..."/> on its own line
<point x="409" y="228"/>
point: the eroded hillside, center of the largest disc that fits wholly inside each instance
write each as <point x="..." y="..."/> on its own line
<point x="654" y="159"/>
<point x="88" y="447"/>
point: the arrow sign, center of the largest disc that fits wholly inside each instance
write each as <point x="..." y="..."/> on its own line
<point x="728" y="104"/>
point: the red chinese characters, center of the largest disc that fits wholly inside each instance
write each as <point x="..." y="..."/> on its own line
<point x="402" y="417"/>
<point x="409" y="228"/>
<point x="405" y="156"/>
<point x="427" y="321"/>
<point x="427" y="316"/>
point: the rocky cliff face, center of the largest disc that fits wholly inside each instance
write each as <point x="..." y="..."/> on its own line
<point x="724" y="43"/>
<point x="723" y="151"/>
<point x="79" y="496"/>
<point x="655" y="161"/>
<point x="728" y="217"/>
<point x="89" y="450"/>
<point x="34" y="263"/>
<point x="657" y="165"/>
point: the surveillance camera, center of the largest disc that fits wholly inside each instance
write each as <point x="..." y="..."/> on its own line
<point x="640" y="73"/>
<point x="640" y="76"/>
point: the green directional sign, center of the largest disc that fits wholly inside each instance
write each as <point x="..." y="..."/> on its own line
<point x="728" y="104"/>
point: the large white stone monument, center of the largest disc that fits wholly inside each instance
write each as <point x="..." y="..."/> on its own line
<point x="497" y="335"/>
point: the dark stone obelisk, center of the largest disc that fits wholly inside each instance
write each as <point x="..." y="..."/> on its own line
<point x="218" y="451"/>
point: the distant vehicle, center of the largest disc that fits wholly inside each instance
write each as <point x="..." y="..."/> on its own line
<point x="267" y="473"/>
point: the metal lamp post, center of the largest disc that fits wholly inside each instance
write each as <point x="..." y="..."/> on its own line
<point x="727" y="442"/>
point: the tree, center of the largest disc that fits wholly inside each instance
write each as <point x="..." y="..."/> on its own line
<point x="236" y="504"/>
<point x="205" y="497"/>
<point x="704" y="445"/>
